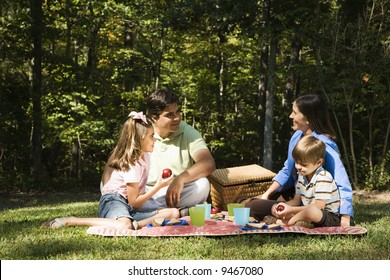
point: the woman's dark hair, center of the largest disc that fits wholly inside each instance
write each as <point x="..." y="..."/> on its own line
<point x="159" y="100"/>
<point x="315" y="109"/>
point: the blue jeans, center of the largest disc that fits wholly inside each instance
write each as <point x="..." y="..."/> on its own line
<point x="115" y="206"/>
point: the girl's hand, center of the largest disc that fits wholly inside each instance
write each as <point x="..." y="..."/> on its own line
<point x="161" y="182"/>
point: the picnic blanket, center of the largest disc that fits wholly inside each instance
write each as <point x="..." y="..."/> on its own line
<point x="219" y="228"/>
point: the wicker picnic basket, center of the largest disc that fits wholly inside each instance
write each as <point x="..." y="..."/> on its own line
<point x="229" y="184"/>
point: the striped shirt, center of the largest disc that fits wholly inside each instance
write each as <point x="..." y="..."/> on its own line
<point x="322" y="186"/>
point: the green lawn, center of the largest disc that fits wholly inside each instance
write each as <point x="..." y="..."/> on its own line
<point x="23" y="239"/>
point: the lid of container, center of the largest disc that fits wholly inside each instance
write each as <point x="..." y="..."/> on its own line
<point x="241" y="175"/>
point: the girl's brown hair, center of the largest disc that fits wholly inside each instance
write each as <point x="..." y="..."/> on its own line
<point x="128" y="148"/>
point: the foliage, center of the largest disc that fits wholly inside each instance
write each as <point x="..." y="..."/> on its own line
<point x="102" y="58"/>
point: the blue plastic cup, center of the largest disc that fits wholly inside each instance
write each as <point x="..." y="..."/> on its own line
<point x="241" y="216"/>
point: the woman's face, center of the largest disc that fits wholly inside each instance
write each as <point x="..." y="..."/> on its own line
<point x="299" y="121"/>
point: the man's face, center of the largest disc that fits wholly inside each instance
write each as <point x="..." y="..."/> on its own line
<point x="168" y="121"/>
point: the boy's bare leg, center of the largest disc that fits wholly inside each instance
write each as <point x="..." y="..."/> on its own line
<point x="311" y="214"/>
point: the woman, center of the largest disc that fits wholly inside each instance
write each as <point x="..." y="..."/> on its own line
<point x="310" y="117"/>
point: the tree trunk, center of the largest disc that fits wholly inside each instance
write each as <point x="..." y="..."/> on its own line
<point x="220" y="96"/>
<point x="292" y="86"/>
<point x="129" y="44"/>
<point x="351" y="110"/>
<point x="36" y="90"/>
<point x="384" y="153"/>
<point x="261" y="96"/>
<point x="269" y="107"/>
<point x="160" y="58"/>
<point x="68" y="18"/>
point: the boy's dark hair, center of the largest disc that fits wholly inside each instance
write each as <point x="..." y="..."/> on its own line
<point x="158" y="101"/>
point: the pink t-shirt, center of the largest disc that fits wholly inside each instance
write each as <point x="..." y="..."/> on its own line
<point x="136" y="174"/>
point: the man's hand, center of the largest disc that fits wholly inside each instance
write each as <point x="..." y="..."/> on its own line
<point x="173" y="192"/>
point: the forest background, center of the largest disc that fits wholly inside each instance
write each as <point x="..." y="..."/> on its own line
<point x="72" y="70"/>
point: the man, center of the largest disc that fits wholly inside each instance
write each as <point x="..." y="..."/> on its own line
<point x="180" y="148"/>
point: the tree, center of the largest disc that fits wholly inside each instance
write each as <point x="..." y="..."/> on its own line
<point x="36" y="89"/>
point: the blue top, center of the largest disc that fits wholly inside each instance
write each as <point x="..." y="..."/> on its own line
<point x="287" y="176"/>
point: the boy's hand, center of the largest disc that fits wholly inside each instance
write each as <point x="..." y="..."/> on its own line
<point x="280" y="210"/>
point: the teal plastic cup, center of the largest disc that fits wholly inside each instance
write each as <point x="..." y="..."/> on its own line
<point x="207" y="206"/>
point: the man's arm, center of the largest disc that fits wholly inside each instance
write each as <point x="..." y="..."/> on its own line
<point x="204" y="165"/>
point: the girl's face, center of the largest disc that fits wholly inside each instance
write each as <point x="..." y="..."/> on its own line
<point x="168" y="121"/>
<point x="147" y="143"/>
<point x="299" y="121"/>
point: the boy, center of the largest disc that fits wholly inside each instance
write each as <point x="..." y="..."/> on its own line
<point x="317" y="200"/>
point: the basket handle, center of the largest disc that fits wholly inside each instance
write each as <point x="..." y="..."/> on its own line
<point x="237" y="193"/>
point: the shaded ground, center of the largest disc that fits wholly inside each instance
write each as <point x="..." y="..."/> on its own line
<point x="17" y="200"/>
<point x="371" y="195"/>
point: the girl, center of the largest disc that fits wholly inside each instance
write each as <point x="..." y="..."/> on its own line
<point x="123" y="195"/>
<point x="309" y="116"/>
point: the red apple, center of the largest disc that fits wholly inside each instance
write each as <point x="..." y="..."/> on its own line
<point x="279" y="208"/>
<point x="215" y="210"/>
<point x="166" y="173"/>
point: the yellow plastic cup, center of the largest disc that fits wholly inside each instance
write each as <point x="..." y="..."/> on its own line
<point x="197" y="215"/>
<point x="231" y="206"/>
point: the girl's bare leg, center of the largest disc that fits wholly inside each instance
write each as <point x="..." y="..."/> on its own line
<point x="166" y="213"/>
<point x="122" y="223"/>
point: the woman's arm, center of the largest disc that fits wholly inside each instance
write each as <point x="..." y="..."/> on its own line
<point x="335" y="166"/>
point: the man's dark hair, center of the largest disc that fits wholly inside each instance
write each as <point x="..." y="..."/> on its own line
<point x="158" y="101"/>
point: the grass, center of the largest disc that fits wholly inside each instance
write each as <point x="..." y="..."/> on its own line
<point x="21" y="237"/>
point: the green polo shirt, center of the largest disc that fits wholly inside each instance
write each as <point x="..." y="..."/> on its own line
<point x="175" y="152"/>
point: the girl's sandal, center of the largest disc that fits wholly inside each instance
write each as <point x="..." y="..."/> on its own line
<point x="135" y="225"/>
<point x="56" y="223"/>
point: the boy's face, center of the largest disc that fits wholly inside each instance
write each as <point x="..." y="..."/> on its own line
<point x="168" y="121"/>
<point x="308" y="169"/>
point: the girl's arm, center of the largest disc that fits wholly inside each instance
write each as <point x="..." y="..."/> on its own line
<point x="136" y="199"/>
